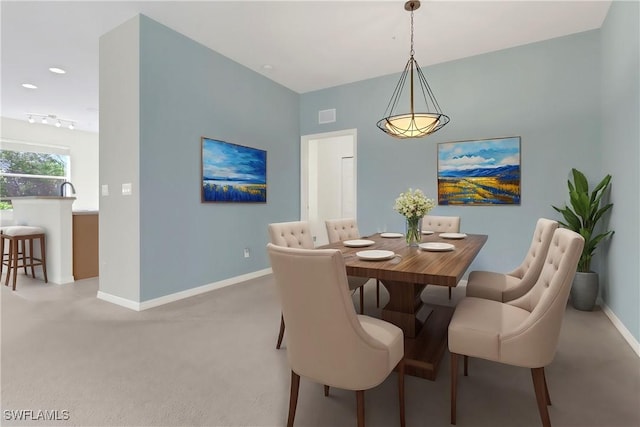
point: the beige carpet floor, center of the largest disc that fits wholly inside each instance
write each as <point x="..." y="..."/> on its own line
<point x="210" y="360"/>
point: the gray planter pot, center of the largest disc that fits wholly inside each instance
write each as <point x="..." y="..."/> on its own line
<point x="584" y="291"/>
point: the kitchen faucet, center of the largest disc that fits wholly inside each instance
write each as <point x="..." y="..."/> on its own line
<point x="73" y="189"/>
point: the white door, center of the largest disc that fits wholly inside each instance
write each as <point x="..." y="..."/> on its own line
<point x="328" y="180"/>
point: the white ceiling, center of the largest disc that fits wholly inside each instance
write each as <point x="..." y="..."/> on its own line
<point x="310" y="45"/>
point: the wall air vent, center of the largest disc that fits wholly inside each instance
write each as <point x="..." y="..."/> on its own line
<point x="327" y="116"/>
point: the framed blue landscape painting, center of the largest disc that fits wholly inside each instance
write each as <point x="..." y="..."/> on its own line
<point x="479" y="172"/>
<point x="233" y="173"/>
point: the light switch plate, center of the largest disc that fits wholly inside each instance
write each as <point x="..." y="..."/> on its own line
<point x="126" y="189"/>
<point x="105" y="190"/>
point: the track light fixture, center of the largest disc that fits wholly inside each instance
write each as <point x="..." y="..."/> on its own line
<point x="55" y="120"/>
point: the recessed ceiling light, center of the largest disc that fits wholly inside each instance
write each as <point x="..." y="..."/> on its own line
<point x="267" y="67"/>
<point x="29" y="86"/>
<point x="57" y="70"/>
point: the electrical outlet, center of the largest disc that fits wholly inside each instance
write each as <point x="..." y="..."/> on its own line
<point x="247" y="254"/>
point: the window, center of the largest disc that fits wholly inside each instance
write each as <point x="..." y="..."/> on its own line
<point x="34" y="171"/>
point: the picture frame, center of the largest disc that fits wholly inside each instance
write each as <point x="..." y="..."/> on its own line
<point x="232" y="173"/>
<point x="479" y="172"/>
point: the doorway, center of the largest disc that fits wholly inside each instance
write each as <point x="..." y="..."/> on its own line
<point x="328" y="179"/>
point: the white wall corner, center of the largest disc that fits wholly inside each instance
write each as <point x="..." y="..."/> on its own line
<point x="123" y="302"/>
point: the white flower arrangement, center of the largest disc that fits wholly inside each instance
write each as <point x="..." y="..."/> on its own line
<point x="414" y="204"/>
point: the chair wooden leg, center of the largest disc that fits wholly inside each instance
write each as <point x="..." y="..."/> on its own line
<point x="281" y="334"/>
<point x="23" y="252"/>
<point x="454" y="384"/>
<point x="378" y="293"/>
<point x="360" y="407"/>
<point x="449" y="292"/>
<point x="538" y="384"/>
<point x="401" y="391"/>
<point x="9" y="255"/>
<point x="546" y="390"/>
<point x="1" y="252"/>
<point x="43" y="258"/>
<point x="293" y="398"/>
<point x="326" y="390"/>
<point x="466" y="365"/>
<point x="30" y="241"/>
<point x="361" y="299"/>
<point x="15" y="262"/>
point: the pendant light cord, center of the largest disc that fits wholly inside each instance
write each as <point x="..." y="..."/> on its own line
<point x="412" y="51"/>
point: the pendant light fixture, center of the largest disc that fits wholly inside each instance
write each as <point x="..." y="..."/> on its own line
<point x="414" y="123"/>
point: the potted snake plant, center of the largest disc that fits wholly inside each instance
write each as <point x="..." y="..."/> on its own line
<point x="583" y="216"/>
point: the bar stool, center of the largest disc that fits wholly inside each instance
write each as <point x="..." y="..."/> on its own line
<point x="20" y="255"/>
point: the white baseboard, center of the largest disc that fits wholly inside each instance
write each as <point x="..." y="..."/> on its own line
<point x="139" y="306"/>
<point x="58" y="280"/>
<point x="635" y="345"/>
<point x="127" y="303"/>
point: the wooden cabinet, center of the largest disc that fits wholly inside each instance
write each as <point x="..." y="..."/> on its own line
<point x="85" y="245"/>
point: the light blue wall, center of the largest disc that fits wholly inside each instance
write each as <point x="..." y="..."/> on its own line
<point x="620" y="278"/>
<point x="188" y="91"/>
<point x="547" y="93"/>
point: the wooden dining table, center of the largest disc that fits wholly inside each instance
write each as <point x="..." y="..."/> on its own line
<point x="405" y="276"/>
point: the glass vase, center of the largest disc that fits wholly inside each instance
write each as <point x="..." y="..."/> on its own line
<point x="413" y="233"/>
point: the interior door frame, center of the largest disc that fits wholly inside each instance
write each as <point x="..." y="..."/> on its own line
<point x="304" y="170"/>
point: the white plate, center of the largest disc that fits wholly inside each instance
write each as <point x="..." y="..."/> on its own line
<point x="436" y="246"/>
<point x="453" y="235"/>
<point x="391" y="235"/>
<point x="358" y="243"/>
<point x="375" y="255"/>
<point x="427" y="232"/>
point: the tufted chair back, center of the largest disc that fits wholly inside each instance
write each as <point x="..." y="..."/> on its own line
<point x="523" y="332"/>
<point x="506" y="287"/>
<point x="531" y="266"/>
<point x="441" y="224"/>
<point x="327" y="342"/>
<point x="342" y="229"/>
<point x="295" y="234"/>
<point x="534" y="341"/>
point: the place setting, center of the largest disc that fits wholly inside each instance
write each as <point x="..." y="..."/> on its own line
<point x="391" y="235"/>
<point x="376" y="255"/>
<point x="455" y="236"/>
<point x="358" y="243"/>
<point x="436" y="247"/>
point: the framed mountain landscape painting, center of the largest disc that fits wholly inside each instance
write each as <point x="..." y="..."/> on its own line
<point x="479" y="172"/>
<point x="233" y="173"/>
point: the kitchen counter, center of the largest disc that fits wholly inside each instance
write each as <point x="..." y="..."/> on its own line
<point x="42" y="197"/>
<point x="85" y="212"/>
<point x="85" y="244"/>
<point x="54" y="215"/>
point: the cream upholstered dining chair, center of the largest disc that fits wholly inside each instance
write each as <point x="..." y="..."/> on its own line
<point x="441" y="224"/>
<point x="327" y="341"/>
<point x="523" y="332"/>
<point x="506" y="287"/>
<point x="297" y="234"/>
<point x="346" y="229"/>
